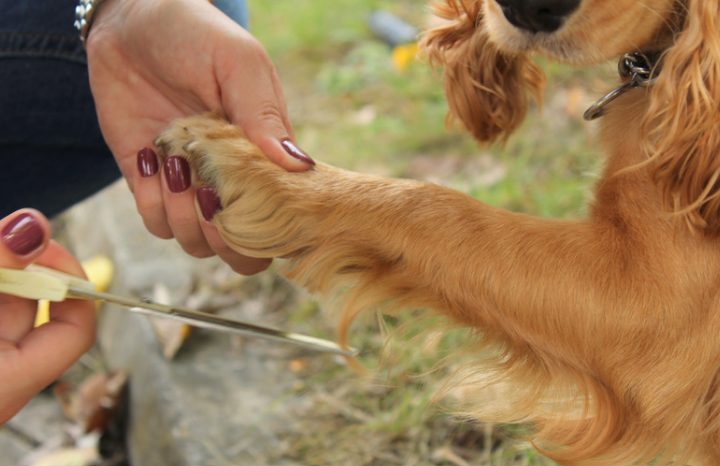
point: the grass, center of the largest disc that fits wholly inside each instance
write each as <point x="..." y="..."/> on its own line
<point x="352" y="108"/>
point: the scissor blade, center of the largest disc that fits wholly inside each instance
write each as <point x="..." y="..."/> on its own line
<point x="212" y="321"/>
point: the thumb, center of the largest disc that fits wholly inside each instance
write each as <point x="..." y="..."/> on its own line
<point x="262" y="115"/>
<point x="24" y="235"/>
<point x="284" y="152"/>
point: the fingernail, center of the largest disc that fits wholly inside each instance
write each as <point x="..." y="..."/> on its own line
<point x="147" y="162"/>
<point x="208" y="202"/>
<point x="295" y="152"/>
<point x="177" y="173"/>
<point x="23" y="235"/>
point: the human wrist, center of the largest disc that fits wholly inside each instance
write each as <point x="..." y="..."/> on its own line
<point x="110" y="21"/>
<point x="115" y="12"/>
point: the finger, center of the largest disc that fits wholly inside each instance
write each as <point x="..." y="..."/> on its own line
<point x="25" y="236"/>
<point x="17" y="317"/>
<point x="148" y="192"/>
<point x="43" y="354"/>
<point x="74" y="316"/>
<point x="179" y="200"/>
<point x="70" y="331"/>
<point x="208" y="205"/>
<point x="282" y="105"/>
<point x="262" y="112"/>
<point x="56" y="345"/>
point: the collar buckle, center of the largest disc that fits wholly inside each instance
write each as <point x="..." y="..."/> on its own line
<point x="641" y="69"/>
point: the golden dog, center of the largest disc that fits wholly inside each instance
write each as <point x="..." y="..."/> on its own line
<point x="605" y="331"/>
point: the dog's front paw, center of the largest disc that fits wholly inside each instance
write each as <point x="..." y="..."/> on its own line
<point x="207" y="142"/>
<point x="266" y="210"/>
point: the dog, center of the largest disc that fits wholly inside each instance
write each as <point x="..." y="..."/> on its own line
<point x="603" y="332"/>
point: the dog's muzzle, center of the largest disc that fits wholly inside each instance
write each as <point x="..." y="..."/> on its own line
<point x="537" y="15"/>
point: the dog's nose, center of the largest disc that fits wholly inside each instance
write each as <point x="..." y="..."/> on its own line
<point x="537" y="15"/>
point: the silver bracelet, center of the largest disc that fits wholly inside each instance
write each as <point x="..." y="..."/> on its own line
<point x="84" y="15"/>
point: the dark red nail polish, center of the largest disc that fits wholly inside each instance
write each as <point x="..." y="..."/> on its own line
<point x="208" y="202"/>
<point x="147" y="162"/>
<point x="296" y="152"/>
<point x="177" y="173"/>
<point x="23" y="235"/>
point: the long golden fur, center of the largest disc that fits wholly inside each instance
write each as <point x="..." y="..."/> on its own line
<point x="603" y="333"/>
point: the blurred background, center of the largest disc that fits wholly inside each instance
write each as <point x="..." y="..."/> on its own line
<point x="353" y="106"/>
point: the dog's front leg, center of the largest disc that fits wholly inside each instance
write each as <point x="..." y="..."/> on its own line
<point x="403" y="244"/>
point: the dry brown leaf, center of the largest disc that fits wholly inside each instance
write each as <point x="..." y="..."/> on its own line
<point x="64" y="392"/>
<point x="95" y="401"/>
<point x="70" y="457"/>
<point x="170" y="333"/>
<point x="297" y="365"/>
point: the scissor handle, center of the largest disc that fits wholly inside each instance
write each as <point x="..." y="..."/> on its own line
<point x="38" y="282"/>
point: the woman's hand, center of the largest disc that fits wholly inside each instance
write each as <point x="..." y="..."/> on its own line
<point x="152" y="62"/>
<point x="32" y="358"/>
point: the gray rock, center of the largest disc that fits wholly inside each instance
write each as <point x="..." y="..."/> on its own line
<point x="218" y="401"/>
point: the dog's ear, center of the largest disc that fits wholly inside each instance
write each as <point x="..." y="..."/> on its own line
<point x="682" y="126"/>
<point x="487" y="89"/>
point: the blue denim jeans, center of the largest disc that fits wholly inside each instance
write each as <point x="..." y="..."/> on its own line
<point x="52" y="153"/>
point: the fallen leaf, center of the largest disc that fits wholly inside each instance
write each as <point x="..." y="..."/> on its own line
<point x="170" y="333"/>
<point x="403" y="55"/>
<point x="95" y="401"/>
<point x="70" y="457"/>
<point x="297" y="365"/>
